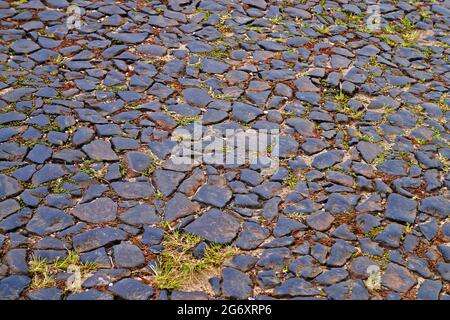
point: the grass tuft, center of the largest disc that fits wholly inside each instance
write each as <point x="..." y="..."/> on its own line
<point x="177" y="266"/>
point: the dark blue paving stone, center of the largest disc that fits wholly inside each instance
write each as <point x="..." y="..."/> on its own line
<point x="16" y="220"/>
<point x="48" y="172"/>
<point x="359" y="266"/>
<point x="142" y="214"/>
<point x="435" y="205"/>
<point x="162" y="148"/>
<point x="131" y="289"/>
<point x="167" y="181"/>
<point x="215" y="226"/>
<point x="313" y="145"/>
<point x="57" y="138"/>
<point x="24" y="173"/>
<point x="129" y="38"/>
<point x="302" y="126"/>
<point x="400" y="208"/>
<point x="213" y="195"/>
<point x="9" y="187"/>
<point x="274" y="258"/>
<point x="286" y="146"/>
<point x="398" y="278"/>
<point x="213" y="66"/>
<point x="444" y="270"/>
<point x="295" y="287"/>
<point x="445" y="251"/>
<point x="47" y="220"/>
<point x="419" y="265"/>
<point x="267" y="190"/>
<point x="356" y="75"/>
<point x="332" y="276"/>
<point x="286" y="226"/>
<point x="188" y="295"/>
<point x="343" y="232"/>
<point x="60" y="200"/>
<point x="367" y="221"/>
<point x="267" y="279"/>
<point x="11" y="287"/>
<point x="429" y="229"/>
<point x="97" y="256"/>
<point x="369" y="151"/>
<point x="243" y="263"/>
<point x="138" y="161"/>
<point x="24" y="46"/>
<point x="370" y="247"/>
<point x="340" y="252"/>
<point x="445" y="229"/>
<point x="391" y="235"/>
<point x="245" y="112"/>
<point x="50" y="255"/>
<point x="100" y="150"/>
<point x="105" y="277"/>
<point x="320" y="221"/>
<point x="91" y="116"/>
<point x="251" y="236"/>
<point x="94" y="191"/>
<point x="180" y="206"/>
<point x="429" y="290"/>
<point x="236" y="284"/>
<point x="127" y="256"/>
<point x="327" y="159"/>
<point x="17" y="94"/>
<point x="348" y="290"/>
<point x="11" y="117"/>
<point x="152" y="235"/>
<point x="8" y="207"/>
<point x="45" y="294"/>
<point x="124" y="143"/>
<point x="197" y="97"/>
<point x="16" y="261"/>
<point x="69" y="155"/>
<point x="98" y="211"/>
<point x="250" y="176"/>
<point x="199" y="250"/>
<point x="338" y="203"/>
<point x="133" y="190"/>
<point x="394" y="167"/>
<point x="92" y="294"/>
<point x="96" y="238"/>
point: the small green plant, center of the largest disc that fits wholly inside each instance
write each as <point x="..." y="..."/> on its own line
<point x="177" y="266"/>
<point x="43" y="271"/>
<point x="374" y="232"/>
<point x="184" y="121"/>
<point x="291" y="180"/>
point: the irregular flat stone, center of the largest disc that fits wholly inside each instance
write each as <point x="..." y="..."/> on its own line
<point x="400" y="208"/>
<point x="9" y="187"/>
<point x="180" y="206"/>
<point x="100" y="150"/>
<point x="97" y="211"/>
<point x="47" y="220"/>
<point x="167" y="181"/>
<point x="213" y="195"/>
<point x="398" y="278"/>
<point x="142" y="214"/>
<point x="128" y="256"/>
<point x="215" y="226"/>
<point x="96" y="238"/>
<point x="132" y="289"/>
<point x="236" y="284"/>
<point x="133" y="190"/>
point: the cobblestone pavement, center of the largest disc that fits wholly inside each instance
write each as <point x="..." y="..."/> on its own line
<point x="92" y="205"/>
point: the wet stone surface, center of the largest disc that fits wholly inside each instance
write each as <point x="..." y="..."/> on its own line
<point x="89" y="117"/>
